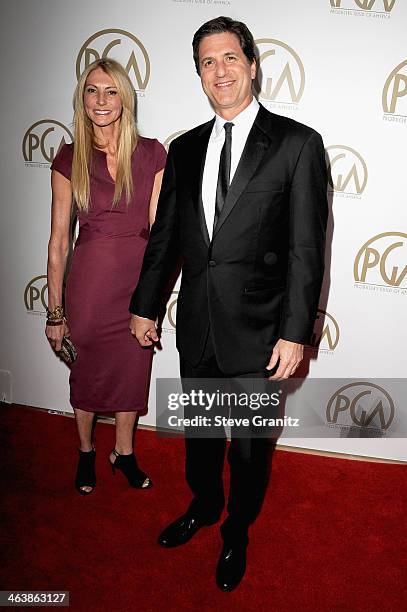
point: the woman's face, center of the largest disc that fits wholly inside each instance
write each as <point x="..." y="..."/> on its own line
<point x="101" y="99"/>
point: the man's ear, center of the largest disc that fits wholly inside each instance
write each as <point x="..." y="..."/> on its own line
<point x="253" y="69"/>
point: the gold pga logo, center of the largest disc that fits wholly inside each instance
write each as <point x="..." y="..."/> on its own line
<point x="168" y="323"/>
<point x="34" y="295"/>
<point x="394" y="96"/>
<point x="282" y="72"/>
<point x="172" y="137"/>
<point x="382" y="259"/>
<point x="122" y="46"/>
<point x="326" y="332"/>
<point x="366" y="5"/>
<point x="361" y="404"/>
<point x="42" y="141"/>
<point x="347" y="170"/>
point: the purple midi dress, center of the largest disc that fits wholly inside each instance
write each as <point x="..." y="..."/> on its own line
<point x="112" y="371"/>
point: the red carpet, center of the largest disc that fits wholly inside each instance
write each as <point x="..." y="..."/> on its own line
<point x="331" y="537"/>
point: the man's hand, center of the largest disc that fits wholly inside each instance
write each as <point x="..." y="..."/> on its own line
<point x="144" y="330"/>
<point x="290" y="355"/>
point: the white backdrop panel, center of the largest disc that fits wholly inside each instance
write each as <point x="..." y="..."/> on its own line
<point x="341" y="53"/>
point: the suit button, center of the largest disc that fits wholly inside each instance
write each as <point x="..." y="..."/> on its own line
<point x="270" y="258"/>
<point x="212" y="262"/>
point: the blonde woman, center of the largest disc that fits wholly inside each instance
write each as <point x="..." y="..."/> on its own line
<point x="114" y="176"/>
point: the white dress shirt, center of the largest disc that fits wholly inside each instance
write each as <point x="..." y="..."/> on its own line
<point x="242" y="125"/>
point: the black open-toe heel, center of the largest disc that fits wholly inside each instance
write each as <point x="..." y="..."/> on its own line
<point x="85" y="474"/>
<point x="128" y="465"/>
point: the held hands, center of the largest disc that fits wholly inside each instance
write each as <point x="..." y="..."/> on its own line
<point x="55" y="333"/>
<point x="290" y="355"/>
<point x="144" y="330"/>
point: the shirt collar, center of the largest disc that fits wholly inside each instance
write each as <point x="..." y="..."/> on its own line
<point x="243" y="120"/>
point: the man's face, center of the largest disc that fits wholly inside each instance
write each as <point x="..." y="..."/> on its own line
<point x="226" y="74"/>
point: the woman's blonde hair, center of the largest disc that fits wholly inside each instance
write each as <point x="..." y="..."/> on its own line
<point x="84" y="139"/>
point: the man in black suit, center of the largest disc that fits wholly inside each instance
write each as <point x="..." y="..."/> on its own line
<point x="243" y="202"/>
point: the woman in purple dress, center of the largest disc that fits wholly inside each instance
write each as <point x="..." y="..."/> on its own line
<point x="114" y="176"/>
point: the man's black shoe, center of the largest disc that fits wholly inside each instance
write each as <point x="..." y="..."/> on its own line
<point x="231" y="566"/>
<point x="182" y="530"/>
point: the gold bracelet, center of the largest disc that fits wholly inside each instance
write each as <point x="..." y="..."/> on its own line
<point x="55" y="314"/>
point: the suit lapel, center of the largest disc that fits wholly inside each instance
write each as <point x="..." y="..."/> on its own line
<point x="258" y="141"/>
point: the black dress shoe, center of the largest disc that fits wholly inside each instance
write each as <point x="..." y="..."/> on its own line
<point x="231" y="566"/>
<point x="181" y="531"/>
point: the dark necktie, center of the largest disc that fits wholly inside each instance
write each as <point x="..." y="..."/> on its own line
<point x="224" y="172"/>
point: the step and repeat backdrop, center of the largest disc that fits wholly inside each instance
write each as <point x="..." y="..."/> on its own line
<point x="337" y="65"/>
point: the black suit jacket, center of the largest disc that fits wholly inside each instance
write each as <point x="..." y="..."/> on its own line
<point x="260" y="276"/>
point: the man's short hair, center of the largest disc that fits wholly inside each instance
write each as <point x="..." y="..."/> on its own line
<point x="220" y="25"/>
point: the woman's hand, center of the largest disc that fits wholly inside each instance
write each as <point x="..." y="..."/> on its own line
<point x="55" y="333"/>
<point x="144" y="330"/>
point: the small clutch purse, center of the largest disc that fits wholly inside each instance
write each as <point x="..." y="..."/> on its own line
<point x="68" y="352"/>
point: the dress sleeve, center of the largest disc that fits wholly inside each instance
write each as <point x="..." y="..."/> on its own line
<point x="159" y="157"/>
<point x="63" y="161"/>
